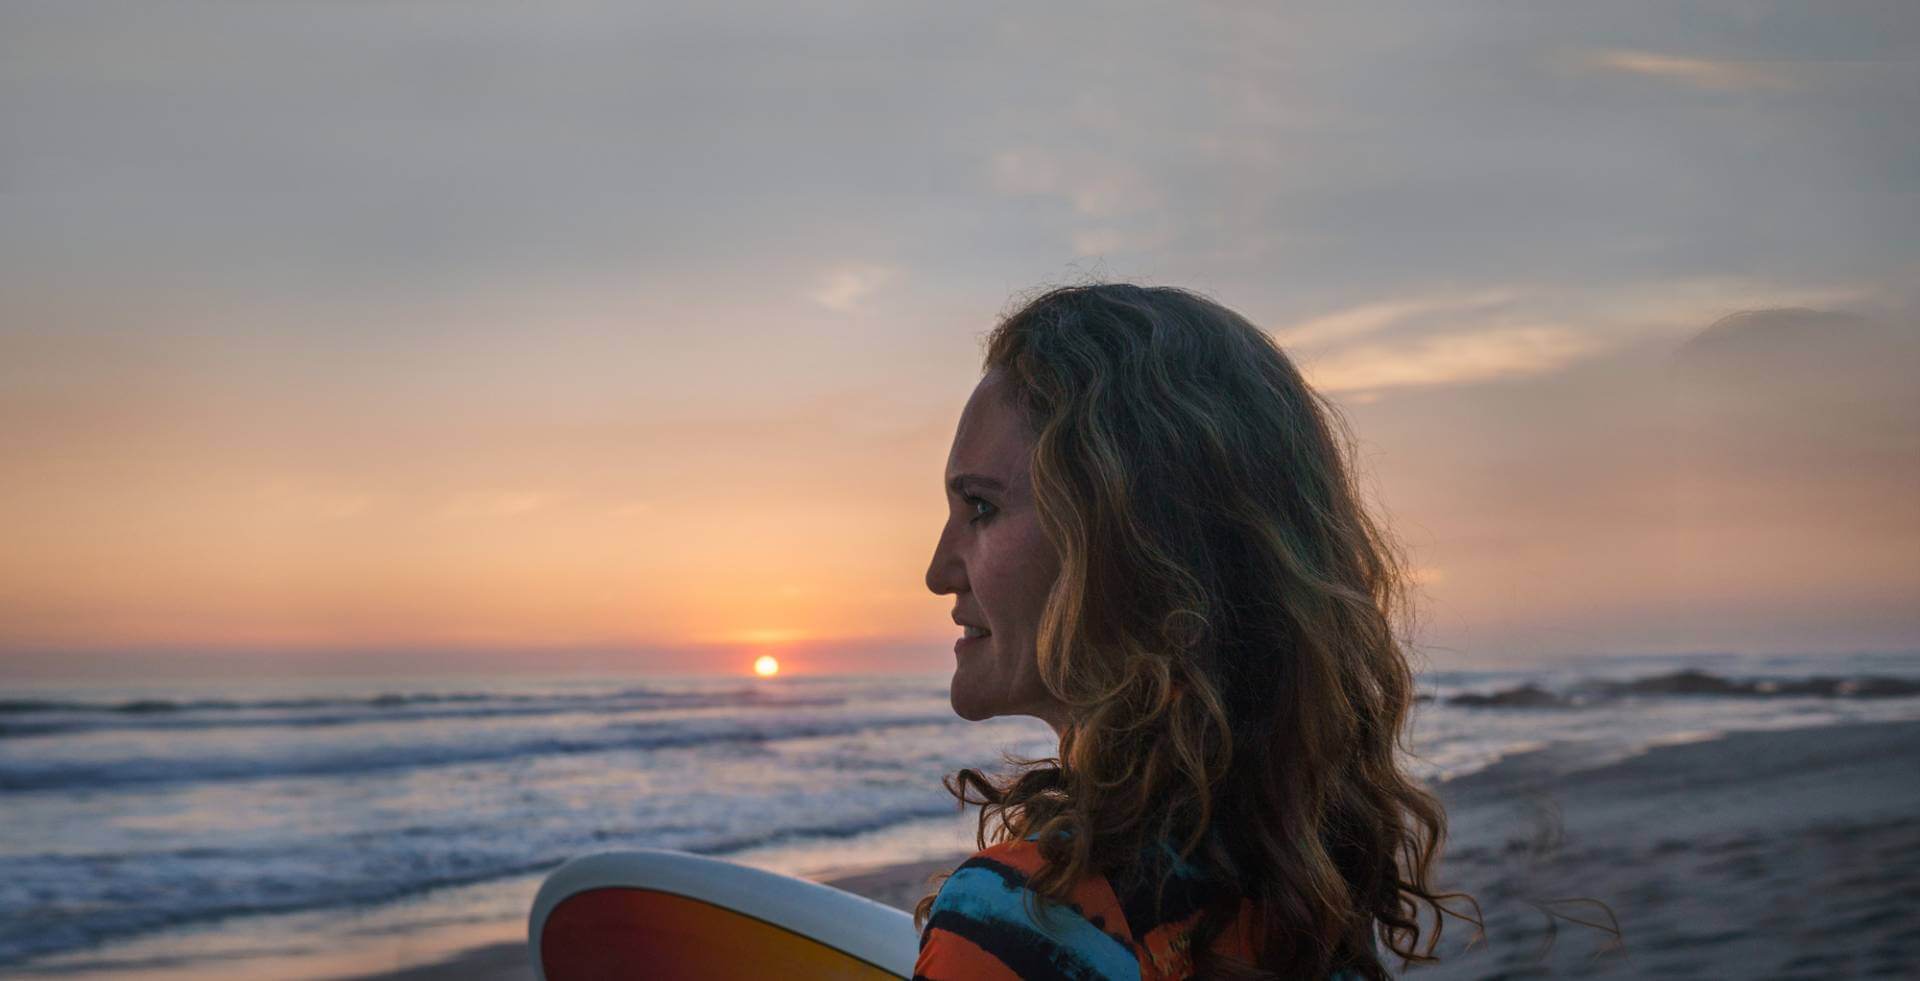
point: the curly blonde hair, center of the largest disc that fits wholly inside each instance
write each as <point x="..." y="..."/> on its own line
<point x="1222" y="632"/>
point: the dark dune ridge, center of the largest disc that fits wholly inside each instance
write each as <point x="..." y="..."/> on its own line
<point x="1691" y="683"/>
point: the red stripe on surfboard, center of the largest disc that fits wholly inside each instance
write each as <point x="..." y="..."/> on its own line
<point x="619" y="932"/>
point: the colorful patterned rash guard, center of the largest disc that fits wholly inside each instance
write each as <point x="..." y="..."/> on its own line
<point x="987" y="924"/>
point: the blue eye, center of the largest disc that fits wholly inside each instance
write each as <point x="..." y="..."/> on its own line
<point x="982" y="508"/>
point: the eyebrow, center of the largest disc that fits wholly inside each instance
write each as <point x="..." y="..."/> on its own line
<point x="958" y="482"/>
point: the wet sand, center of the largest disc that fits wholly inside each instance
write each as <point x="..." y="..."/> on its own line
<point x="1775" y="854"/>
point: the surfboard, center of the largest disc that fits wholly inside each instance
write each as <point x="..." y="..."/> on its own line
<point x="671" y="915"/>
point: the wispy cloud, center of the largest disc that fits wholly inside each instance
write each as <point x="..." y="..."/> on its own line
<point x="1368" y="318"/>
<point x="1704" y="73"/>
<point x="842" y="289"/>
<point x="1503" y="352"/>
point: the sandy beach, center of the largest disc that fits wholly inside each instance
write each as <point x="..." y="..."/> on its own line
<point x="1763" y="854"/>
<point x="1768" y="854"/>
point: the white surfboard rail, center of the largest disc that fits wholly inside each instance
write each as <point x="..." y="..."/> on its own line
<point x="871" y="931"/>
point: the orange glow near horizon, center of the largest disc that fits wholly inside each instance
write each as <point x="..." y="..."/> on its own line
<point x="766" y="666"/>
<point x="230" y="546"/>
<point x="506" y="518"/>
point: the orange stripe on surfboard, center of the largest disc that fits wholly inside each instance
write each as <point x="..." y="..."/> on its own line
<point x="619" y="932"/>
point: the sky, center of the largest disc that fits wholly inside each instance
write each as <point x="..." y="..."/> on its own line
<point x="432" y="336"/>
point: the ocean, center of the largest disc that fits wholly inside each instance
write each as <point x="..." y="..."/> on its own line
<point x="161" y="828"/>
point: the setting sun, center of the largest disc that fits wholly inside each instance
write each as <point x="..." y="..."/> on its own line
<point x="765" y="666"/>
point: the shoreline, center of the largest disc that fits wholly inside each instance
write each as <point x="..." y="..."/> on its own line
<point x="1692" y="845"/>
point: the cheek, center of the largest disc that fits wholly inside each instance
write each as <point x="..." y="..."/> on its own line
<point x="1010" y="570"/>
<point x="1023" y="579"/>
<point x="1038" y="564"/>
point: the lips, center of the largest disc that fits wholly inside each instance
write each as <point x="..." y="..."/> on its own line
<point x="970" y="636"/>
<point x="968" y="629"/>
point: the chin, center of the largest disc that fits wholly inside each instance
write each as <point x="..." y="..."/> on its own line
<point x="969" y="709"/>
<point x="966" y="701"/>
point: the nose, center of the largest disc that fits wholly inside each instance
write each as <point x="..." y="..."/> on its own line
<point x="946" y="573"/>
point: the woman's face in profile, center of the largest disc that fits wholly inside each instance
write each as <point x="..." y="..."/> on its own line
<point x="995" y="560"/>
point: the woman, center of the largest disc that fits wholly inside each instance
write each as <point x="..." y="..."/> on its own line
<point x="1155" y="544"/>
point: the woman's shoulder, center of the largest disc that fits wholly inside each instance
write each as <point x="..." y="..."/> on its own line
<point x="988" y="922"/>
